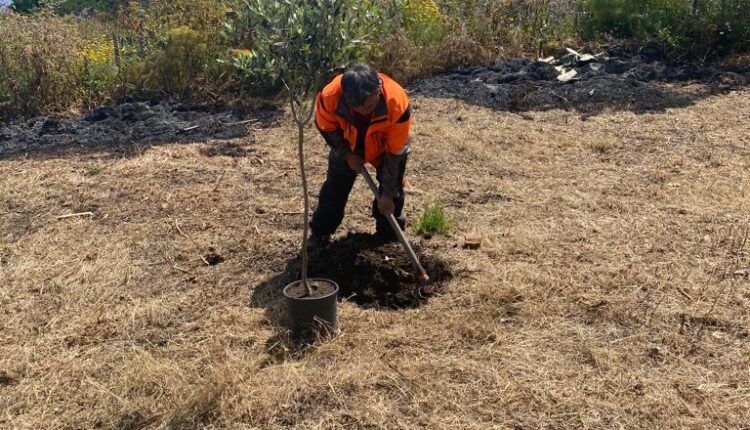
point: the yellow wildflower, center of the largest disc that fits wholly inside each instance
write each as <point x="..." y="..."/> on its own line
<point x="99" y="50"/>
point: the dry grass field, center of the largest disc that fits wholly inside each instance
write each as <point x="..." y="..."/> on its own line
<point x="603" y="296"/>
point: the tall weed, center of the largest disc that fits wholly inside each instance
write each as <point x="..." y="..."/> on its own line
<point x="40" y="64"/>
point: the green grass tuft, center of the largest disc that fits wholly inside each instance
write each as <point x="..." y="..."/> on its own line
<point x="434" y="220"/>
<point x="92" y="169"/>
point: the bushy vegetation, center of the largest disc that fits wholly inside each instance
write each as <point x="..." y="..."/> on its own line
<point x="696" y="26"/>
<point x="42" y="63"/>
<point x="188" y="49"/>
<point x="66" y="6"/>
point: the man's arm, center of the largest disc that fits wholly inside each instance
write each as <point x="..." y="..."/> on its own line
<point x="335" y="139"/>
<point x="329" y="128"/>
<point x="390" y="172"/>
<point x="397" y="148"/>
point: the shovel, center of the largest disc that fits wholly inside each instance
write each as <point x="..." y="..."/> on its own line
<point x="421" y="273"/>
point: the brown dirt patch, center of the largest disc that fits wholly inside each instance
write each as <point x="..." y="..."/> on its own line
<point x="6" y="379"/>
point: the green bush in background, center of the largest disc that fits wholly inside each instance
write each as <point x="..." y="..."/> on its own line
<point x="187" y="49"/>
<point x="423" y="22"/>
<point x="175" y="67"/>
<point x="619" y="18"/>
<point x="66" y="6"/>
<point x="99" y="75"/>
<point x="693" y="26"/>
<point x="174" y="48"/>
<point x="25" y="6"/>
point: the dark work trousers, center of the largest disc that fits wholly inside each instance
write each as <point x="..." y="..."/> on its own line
<point x="335" y="193"/>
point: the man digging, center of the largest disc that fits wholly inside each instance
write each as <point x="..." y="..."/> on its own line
<point x="365" y="117"/>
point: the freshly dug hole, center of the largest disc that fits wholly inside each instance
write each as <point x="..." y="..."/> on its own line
<point x="376" y="274"/>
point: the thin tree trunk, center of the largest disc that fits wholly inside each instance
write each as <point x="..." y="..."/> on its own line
<point x="300" y="135"/>
<point x="301" y="117"/>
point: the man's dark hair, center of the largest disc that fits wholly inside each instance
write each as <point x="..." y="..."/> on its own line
<point x="359" y="82"/>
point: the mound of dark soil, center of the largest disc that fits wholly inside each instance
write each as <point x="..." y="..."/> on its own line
<point x="376" y="274"/>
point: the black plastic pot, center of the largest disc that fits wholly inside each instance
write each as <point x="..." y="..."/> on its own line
<point x="312" y="316"/>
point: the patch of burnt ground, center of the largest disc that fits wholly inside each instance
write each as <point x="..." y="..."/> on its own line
<point x="589" y="84"/>
<point x="117" y="129"/>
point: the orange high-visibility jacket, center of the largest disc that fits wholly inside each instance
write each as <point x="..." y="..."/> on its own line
<point x="388" y="131"/>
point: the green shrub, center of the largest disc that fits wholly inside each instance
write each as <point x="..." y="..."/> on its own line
<point x="434" y="220"/>
<point x="423" y="21"/>
<point x="64" y="6"/>
<point x="174" y="48"/>
<point x="254" y="77"/>
<point x="25" y="6"/>
<point x="699" y="26"/>
<point x="618" y="18"/>
<point x="174" y="68"/>
<point x="99" y="76"/>
<point x="722" y="25"/>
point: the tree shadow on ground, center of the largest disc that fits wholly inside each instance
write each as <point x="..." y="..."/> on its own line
<point x="636" y="84"/>
<point x="129" y="129"/>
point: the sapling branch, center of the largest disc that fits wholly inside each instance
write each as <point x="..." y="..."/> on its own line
<point x="298" y="119"/>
